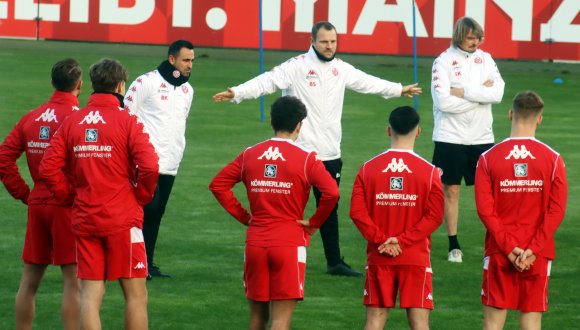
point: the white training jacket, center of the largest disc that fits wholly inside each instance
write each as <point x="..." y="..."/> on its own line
<point x="163" y="109"/>
<point x="466" y="120"/>
<point x="320" y="86"/>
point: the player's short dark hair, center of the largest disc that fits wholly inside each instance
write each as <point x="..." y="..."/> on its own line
<point x="286" y="112"/>
<point x="527" y="103"/>
<point x="322" y="24"/>
<point x="403" y="120"/>
<point x="462" y="28"/>
<point x="106" y="74"/>
<point x="176" y="46"/>
<point x="66" y="74"/>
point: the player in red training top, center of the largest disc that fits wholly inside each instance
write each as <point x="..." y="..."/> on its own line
<point x="49" y="239"/>
<point x="520" y="193"/>
<point x="397" y="202"/>
<point x="99" y="148"/>
<point x="278" y="175"/>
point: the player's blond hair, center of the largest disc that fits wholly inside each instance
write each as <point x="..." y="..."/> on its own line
<point x="463" y="26"/>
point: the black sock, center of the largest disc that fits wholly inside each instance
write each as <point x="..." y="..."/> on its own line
<point x="453" y="242"/>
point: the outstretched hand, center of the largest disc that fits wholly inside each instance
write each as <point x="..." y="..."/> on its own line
<point x="224" y="96"/>
<point x="411" y="90"/>
<point x="391" y="247"/>
<point x="306" y="224"/>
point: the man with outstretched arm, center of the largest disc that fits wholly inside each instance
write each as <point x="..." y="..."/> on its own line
<point x="319" y="80"/>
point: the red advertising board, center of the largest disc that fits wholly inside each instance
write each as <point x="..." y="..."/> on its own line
<point x="522" y="29"/>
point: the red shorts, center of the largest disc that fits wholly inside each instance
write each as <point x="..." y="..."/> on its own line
<point x="506" y="288"/>
<point x="49" y="237"/>
<point x="111" y="257"/>
<point x="274" y="273"/>
<point x="415" y="284"/>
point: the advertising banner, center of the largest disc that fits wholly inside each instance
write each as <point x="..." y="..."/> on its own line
<point x="522" y="29"/>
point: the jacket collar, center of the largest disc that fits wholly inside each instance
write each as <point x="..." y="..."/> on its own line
<point x="64" y="98"/>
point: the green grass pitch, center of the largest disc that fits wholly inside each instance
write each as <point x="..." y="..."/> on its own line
<point x="202" y="246"/>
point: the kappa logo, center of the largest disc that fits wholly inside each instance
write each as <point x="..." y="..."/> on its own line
<point x="395" y="166"/>
<point x="270" y="171"/>
<point x="520" y="152"/>
<point x="44" y="133"/>
<point x="429" y="296"/>
<point x="272" y="154"/>
<point x="311" y="74"/>
<point x="365" y="292"/>
<point x="47" y="116"/>
<point x="140" y="265"/>
<point x="94" y="117"/>
<point x="91" y="135"/>
<point x="396" y="183"/>
<point x="520" y="170"/>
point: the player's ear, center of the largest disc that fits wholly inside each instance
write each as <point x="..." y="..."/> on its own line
<point x="511" y="114"/>
<point x="389" y="133"/>
<point x="418" y="132"/>
<point x="539" y="120"/>
<point x="298" y="128"/>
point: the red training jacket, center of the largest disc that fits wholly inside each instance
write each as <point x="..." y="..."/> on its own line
<point x="398" y="194"/>
<point x="32" y="135"/>
<point x="101" y="145"/>
<point x="278" y="175"/>
<point x="521" y="193"/>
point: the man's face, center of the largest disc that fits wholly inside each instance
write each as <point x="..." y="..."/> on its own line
<point x="470" y="42"/>
<point x="325" y="42"/>
<point x="183" y="61"/>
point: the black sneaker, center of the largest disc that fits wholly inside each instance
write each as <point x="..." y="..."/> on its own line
<point x="154" y="271"/>
<point x="342" y="269"/>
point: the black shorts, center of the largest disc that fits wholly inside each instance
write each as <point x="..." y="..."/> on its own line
<point x="458" y="161"/>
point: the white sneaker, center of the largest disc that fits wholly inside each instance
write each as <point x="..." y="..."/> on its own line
<point x="455" y="255"/>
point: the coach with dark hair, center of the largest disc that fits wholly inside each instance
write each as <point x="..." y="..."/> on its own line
<point x="162" y="99"/>
<point x="319" y="80"/>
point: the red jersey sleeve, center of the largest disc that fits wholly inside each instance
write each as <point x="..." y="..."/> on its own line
<point x="145" y="158"/>
<point x="221" y="187"/>
<point x="433" y="216"/>
<point x="360" y="214"/>
<point x="556" y="208"/>
<point x="10" y="151"/>
<point x="318" y="176"/>
<point x="51" y="167"/>
<point x="485" y="205"/>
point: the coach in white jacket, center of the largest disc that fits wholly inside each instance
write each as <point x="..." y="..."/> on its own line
<point x="162" y="99"/>
<point x="465" y="83"/>
<point x="319" y="80"/>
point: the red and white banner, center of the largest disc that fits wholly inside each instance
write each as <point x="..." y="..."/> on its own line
<point x="522" y="29"/>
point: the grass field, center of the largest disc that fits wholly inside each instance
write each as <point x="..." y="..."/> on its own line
<point x="202" y="247"/>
